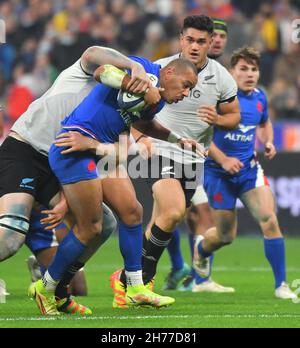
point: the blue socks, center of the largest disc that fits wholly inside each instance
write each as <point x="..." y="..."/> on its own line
<point x="177" y="259"/>
<point x="200" y="280"/>
<point x="131" y="244"/>
<point x="275" y="254"/>
<point x="175" y="251"/>
<point x="67" y="253"/>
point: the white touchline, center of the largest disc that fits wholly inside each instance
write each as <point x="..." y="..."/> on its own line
<point x="140" y="317"/>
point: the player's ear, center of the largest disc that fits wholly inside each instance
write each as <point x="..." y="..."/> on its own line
<point x="170" y="70"/>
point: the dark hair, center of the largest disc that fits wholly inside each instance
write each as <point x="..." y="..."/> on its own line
<point x="181" y="64"/>
<point x="200" y="22"/>
<point x="249" y="54"/>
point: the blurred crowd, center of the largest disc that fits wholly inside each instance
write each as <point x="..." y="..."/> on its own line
<point x="44" y="37"/>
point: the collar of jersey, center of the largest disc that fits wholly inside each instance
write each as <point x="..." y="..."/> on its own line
<point x="204" y="66"/>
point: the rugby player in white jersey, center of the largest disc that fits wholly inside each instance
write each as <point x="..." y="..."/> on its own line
<point x="172" y="192"/>
<point x="25" y="175"/>
<point x="199" y="218"/>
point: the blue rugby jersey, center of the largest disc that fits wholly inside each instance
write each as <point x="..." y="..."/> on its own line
<point x="99" y="115"/>
<point x="240" y="142"/>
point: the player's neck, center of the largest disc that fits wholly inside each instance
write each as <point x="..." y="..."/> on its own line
<point x="200" y="65"/>
<point x="247" y="93"/>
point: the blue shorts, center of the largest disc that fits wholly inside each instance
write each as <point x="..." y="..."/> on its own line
<point x="224" y="189"/>
<point x="37" y="237"/>
<point x="73" y="167"/>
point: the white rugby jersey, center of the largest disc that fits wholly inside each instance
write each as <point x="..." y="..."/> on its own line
<point x="215" y="85"/>
<point x="40" y="124"/>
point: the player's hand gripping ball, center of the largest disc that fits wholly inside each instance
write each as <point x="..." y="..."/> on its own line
<point x="133" y="102"/>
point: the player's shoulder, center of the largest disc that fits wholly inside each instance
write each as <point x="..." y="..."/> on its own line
<point x="76" y="70"/>
<point x="149" y="66"/>
<point x="260" y="94"/>
<point x="217" y="68"/>
<point x="258" y="91"/>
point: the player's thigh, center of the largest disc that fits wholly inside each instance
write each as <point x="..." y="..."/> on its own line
<point x="16" y="203"/>
<point x="260" y="202"/>
<point x="18" y="178"/>
<point x="119" y="194"/>
<point x="226" y="223"/>
<point x="17" y="171"/>
<point x="169" y="197"/>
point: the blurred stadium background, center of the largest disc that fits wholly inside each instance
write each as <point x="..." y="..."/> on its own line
<point x="44" y="37"/>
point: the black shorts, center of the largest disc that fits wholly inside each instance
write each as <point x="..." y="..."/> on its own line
<point x="23" y="169"/>
<point x="189" y="175"/>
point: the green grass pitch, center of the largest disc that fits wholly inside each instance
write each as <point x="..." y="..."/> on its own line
<point x="241" y="265"/>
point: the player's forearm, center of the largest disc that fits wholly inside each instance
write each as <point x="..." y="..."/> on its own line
<point x="229" y="121"/>
<point x="155" y="130"/>
<point x="137" y="135"/>
<point x="216" y="154"/>
<point x="231" y="116"/>
<point x="95" y="56"/>
<point x="265" y="133"/>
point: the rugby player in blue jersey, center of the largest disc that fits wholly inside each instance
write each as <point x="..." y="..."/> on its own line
<point x="100" y="118"/>
<point x="247" y="182"/>
<point x="25" y="174"/>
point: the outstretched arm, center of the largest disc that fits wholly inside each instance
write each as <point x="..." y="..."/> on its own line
<point x="156" y="130"/>
<point x="95" y="56"/>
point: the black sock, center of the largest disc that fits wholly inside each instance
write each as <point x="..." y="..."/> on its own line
<point x="62" y="287"/>
<point x="145" y="242"/>
<point x="156" y="244"/>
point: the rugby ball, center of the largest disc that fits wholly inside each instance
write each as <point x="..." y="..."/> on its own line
<point x="134" y="102"/>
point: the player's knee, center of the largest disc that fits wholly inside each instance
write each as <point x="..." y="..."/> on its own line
<point x="269" y="224"/>
<point x="96" y="227"/>
<point x="267" y="217"/>
<point x="133" y="214"/>
<point x="90" y="228"/>
<point x="172" y="217"/>
<point x="12" y="234"/>
<point x="226" y="239"/>
<point x="10" y="243"/>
